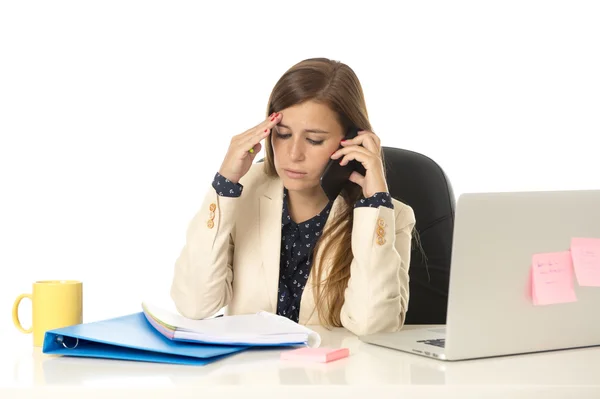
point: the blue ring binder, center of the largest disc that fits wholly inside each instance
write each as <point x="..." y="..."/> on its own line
<point x="130" y="337"/>
<point x="61" y="340"/>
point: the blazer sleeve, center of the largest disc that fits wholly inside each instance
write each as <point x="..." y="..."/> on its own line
<point x="376" y="299"/>
<point x="202" y="281"/>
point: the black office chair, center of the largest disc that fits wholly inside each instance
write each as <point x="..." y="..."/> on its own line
<point x="418" y="181"/>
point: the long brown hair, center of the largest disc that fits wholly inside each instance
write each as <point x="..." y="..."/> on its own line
<point x="334" y="84"/>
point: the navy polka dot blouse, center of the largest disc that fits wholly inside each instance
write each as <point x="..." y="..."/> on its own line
<point x="297" y="243"/>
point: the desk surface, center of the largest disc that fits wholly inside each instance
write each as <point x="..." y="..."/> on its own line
<point x="369" y="371"/>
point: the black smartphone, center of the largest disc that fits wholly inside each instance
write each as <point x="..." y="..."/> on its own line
<point x="335" y="176"/>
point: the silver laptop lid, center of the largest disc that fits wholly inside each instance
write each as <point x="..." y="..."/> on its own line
<point x="490" y="309"/>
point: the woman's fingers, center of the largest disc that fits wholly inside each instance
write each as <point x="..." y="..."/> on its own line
<point x="255" y="150"/>
<point x="357" y="150"/>
<point x="367" y="139"/>
<point x="374" y="136"/>
<point x="357" y="178"/>
<point x="359" y="156"/>
<point x="260" y="132"/>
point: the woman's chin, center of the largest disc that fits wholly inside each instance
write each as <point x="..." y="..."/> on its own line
<point x="299" y="185"/>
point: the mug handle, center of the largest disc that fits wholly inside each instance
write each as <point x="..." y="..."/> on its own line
<point x="15" y="313"/>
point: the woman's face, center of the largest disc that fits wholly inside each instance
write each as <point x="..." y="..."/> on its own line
<point x="303" y="143"/>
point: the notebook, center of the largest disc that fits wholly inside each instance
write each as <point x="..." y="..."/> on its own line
<point x="258" y="329"/>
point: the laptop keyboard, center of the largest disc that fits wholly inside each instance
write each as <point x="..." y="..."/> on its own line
<point x="440" y="342"/>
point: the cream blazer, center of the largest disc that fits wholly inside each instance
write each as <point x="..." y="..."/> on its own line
<point x="232" y="252"/>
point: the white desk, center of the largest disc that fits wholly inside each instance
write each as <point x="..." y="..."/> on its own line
<point x="370" y="371"/>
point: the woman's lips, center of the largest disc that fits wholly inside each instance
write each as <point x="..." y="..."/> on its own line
<point x="294" y="174"/>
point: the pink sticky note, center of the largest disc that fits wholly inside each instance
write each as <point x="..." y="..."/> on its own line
<point x="586" y="260"/>
<point x="320" y="355"/>
<point x="552" y="278"/>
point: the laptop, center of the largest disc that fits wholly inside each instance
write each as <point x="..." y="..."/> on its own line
<point x="490" y="307"/>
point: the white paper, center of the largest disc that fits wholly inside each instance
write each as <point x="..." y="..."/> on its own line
<point x="259" y="328"/>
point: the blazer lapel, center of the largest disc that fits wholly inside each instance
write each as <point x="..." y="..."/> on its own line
<point x="271" y="203"/>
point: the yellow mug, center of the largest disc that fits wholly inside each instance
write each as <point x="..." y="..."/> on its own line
<point x="55" y="303"/>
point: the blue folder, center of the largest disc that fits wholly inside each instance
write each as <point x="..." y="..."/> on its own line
<point x="130" y="337"/>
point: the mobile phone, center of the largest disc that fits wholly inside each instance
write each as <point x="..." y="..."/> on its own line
<point x="335" y="176"/>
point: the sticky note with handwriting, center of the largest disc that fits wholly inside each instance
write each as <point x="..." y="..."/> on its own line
<point x="552" y="278"/>
<point x="586" y="260"/>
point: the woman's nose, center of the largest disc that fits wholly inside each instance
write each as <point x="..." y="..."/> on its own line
<point x="296" y="151"/>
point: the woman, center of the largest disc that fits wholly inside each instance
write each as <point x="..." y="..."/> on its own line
<point x="268" y="238"/>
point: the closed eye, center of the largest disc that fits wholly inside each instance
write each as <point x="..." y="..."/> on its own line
<point x="283" y="136"/>
<point x="287" y="136"/>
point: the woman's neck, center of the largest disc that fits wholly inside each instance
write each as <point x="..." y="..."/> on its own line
<point x="303" y="205"/>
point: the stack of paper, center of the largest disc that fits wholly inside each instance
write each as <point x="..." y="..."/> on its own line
<point x="260" y="329"/>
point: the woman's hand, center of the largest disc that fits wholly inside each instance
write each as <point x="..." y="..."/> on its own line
<point x="244" y="147"/>
<point x="366" y="149"/>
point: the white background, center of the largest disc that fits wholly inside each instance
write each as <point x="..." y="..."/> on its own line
<point x="115" y="115"/>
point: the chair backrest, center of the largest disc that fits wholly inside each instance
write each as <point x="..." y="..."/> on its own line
<point x="419" y="182"/>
